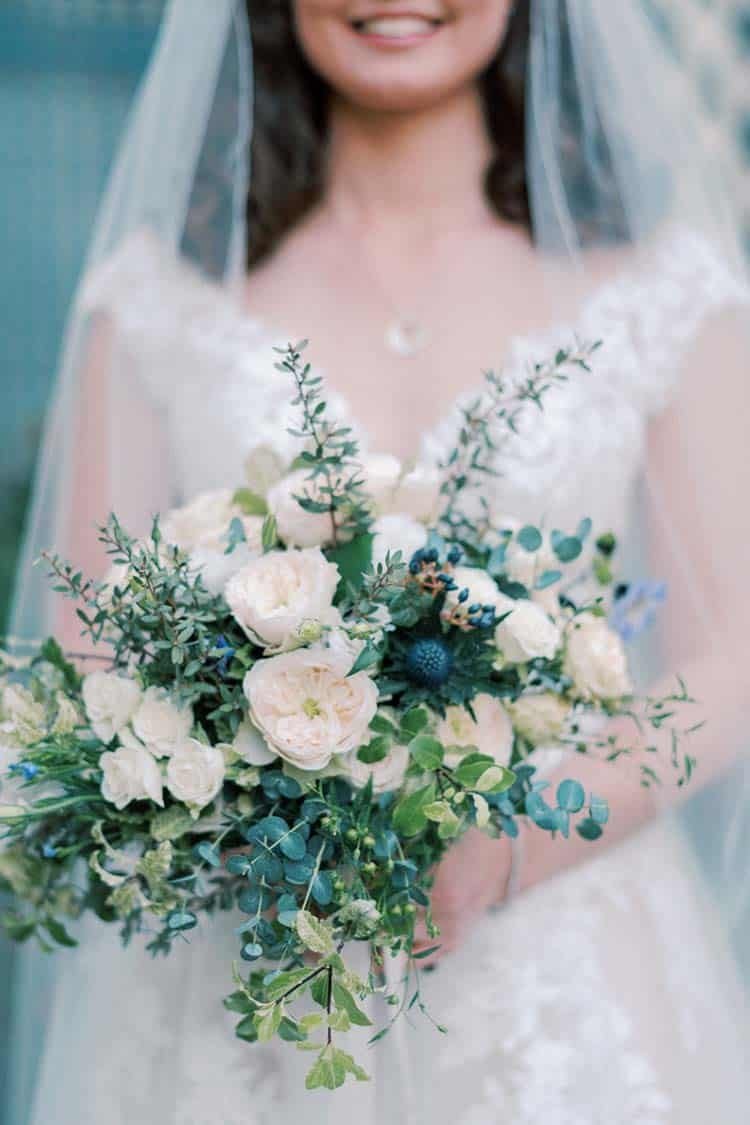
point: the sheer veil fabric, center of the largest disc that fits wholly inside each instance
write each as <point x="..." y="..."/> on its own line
<point x="614" y="160"/>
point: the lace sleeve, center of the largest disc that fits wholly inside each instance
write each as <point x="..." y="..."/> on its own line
<point x="650" y="319"/>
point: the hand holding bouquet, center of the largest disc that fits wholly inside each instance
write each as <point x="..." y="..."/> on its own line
<point x="304" y="691"/>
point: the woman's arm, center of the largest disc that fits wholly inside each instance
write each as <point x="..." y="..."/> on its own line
<point x="699" y="489"/>
<point x="120" y="461"/>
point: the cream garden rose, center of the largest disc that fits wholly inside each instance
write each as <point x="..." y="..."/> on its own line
<point x="396" y="490"/>
<point x="276" y="593"/>
<point x="387" y="774"/>
<point x="130" y="773"/>
<point x="160" y="722"/>
<point x="195" y="773"/>
<point x="110" y="701"/>
<point x="491" y="734"/>
<point x="595" y="659"/>
<point x="527" y="633"/>
<point x="541" y="719"/>
<point x="307" y="708"/>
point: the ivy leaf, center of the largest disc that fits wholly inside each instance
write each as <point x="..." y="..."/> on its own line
<point x="343" y="999"/>
<point x="414" y="721"/>
<point x="285" y="982"/>
<point x="267" y="1021"/>
<point x="427" y="751"/>
<point x="59" y="934"/>
<point x="331" y="1068"/>
<point x="408" y="816"/>
<point x="238" y="1002"/>
<point x="315" y="934"/>
<point x="375" y="751"/>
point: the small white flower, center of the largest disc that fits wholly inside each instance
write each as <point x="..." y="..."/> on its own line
<point x="275" y="594"/>
<point x="250" y="745"/>
<point x="595" y="659"/>
<point x="541" y="719"/>
<point x="307" y="708"/>
<point x="263" y="468"/>
<point x="130" y="774"/>
<point x="397" y="533"/>
<point x="195" y="773"/>
<point x="526" y="634"/>
<point x="160" y="722"/>
<point x="491" y="734"/>
<point x="110" y="701"/>
<point x="387" y="774"/>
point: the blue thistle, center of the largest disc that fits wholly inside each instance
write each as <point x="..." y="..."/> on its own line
<point x="27" y="770"/>
<point x="429" y="662"/>
<point x="225" y="660"/>
<point x="49" y="851"/>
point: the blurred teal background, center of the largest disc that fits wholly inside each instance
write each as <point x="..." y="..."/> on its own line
<point x="68" y="70"/>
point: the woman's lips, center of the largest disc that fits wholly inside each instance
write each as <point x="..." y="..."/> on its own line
<point x="397" y="31"/>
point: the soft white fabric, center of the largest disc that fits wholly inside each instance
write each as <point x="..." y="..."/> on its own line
<point x="574" y="1005"/>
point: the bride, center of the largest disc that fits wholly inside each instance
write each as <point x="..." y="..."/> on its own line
<point x="424" y="188"/>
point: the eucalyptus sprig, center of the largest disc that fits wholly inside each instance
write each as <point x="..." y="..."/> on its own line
<point x="489" y="422"/>
<point x="336" y="485"/>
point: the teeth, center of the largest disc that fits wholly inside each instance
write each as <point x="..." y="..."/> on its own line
<point x="396" y="27"/>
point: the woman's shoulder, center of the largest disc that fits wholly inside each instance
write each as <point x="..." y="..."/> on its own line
<point x="168" y="312"/>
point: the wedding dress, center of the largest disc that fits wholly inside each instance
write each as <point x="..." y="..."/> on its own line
<point x="575" y="1004"/>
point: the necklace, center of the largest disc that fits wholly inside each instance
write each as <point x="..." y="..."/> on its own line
<point x="405" y="336"/>
<point x="404" y="333"/>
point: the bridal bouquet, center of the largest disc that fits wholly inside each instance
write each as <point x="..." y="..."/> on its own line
<point x="301" y="693"/>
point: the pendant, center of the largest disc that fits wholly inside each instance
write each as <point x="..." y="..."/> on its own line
<point x="406" y="337"/>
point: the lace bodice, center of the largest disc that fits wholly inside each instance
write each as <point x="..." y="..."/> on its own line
<point x="209" y="365"/>
<point x="574" y="1006"/>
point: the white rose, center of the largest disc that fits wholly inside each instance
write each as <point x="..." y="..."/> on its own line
<point x="263" y="468"/>
<point x="541" y="719"/>
<point x="492" y="733"/>
<point x="397" y="533"/>
<point x="387" y="774"/>
<point x="110" y="701"/>
<point x="527" y="633"/>
<point x="201" y="529"/>
<point x="595" y="659"/>
<point x="274" y="594"/>
<point x="204" y="523"/>
<point x="307" y="708"/>
<point x="417" y="493"/>
<point x="161" y="723"/>
<point x="296" y="527"/>
<point x="250" y="745"/>
<point x="195" y="773"/>
<point x="380" y="473"/>
<point x="397" y="491"/>
<point x="130" y="774"/>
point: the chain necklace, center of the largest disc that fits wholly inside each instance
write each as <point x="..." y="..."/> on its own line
<point x="404" y="334"/>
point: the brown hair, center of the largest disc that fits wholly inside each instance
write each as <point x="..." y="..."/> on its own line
<point x="290" y="124"/>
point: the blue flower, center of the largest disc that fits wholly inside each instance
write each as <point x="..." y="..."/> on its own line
<point x="636" y="609"/>
<point x="27" y="769"/>
<point x="429" y="662"/>
<point x="49" y="851"/>
<point x="224" y="662"/>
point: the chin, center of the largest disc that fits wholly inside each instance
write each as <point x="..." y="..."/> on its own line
<point x="398" y="60"/>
